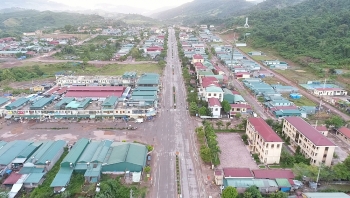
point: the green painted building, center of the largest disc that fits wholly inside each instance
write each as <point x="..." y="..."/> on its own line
<point x="125" y="156"/>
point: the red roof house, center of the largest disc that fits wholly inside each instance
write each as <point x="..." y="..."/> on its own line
<point x="238" y="173"/>
<point x="309" y="132"/>
<point x="12" y="178"/>
<point x="345" y="131"/>
<point x="95" y="92"/>
<point x="273" y="174"/>
<point x="264" y="130"/>
<point x="214" y="102"/>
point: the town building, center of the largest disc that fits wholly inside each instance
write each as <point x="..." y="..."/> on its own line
<point x="344" y="134"/>
<point x="312" y="143"/>
<point x="263" y="141"/>
<point x="215" y="107"/>
<point x="330" y="92"/>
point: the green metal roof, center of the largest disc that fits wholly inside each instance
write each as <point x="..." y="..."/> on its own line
<point x="41" y="103"/>
<point x="50" y="152"/>
<point x="73" y="105"/>
<point x="11" y="151"/>
<point x="110" y="101"/>
<point x="62" y="177"/>
<point x="205" y="72"/>
<point x="84" y="103"/>
<point x="282" y="182"/>
<point x="213" y="89"/>
<point x="89" y="152"/>
<point x="19" y="102"/>
<point x="2" y="143"/>
<point x="28" y="151"/>
<point x="144" y="93"/>
<point x="127" y="152"/>
<point x="101" y="151"/>
<point x="146" y="89"/>
<point x="93" y="171"/>
<point x="245" y="183"/>
<point x="75" y="152"/>
<point x="149" y="78"/>
<point x="238" y="98"/>
<point x="41" y="151"/>
<point x="64" y="101"/>
<point x="34" y="178"/>
<point x="3" y="100"/>
<point x="27" y="170"/>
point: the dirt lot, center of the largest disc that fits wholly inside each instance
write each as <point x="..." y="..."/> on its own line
<point x="233" y="152"/>
<point x="31" y="130"/>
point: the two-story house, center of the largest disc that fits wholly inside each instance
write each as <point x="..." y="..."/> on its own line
<point x="214" y="92"/>
<point x="215" y="107"/>
<point x="197" y="58"/>
<point x="312" y="143"/>
<point x="263" y="141"/>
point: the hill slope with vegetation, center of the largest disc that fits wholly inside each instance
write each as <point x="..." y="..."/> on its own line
<point x="313" y="33"/>
<point x="198" y="10"/>
<point x="31" y="20"/>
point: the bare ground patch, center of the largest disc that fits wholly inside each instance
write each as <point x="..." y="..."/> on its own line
<point x="233" y="152"/>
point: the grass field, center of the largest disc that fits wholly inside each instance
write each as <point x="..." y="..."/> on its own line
<point x="298" y="75"/>
<point x="303" y="101"/>
<point x="271" y="80"/>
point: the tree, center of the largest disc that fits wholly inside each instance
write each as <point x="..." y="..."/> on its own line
<point x="147" y="169"/>
<point x="287" y="160"/>
<point x="219" y="124"/>
<point x="193" y="108"/>
<point x="202" y="111"/>
<point x="335" y="121"/>
<point x="278" y="194"/>
<point x="238" y="116"/>
<point x="247" y="195"/>
<point x="226" y="106"/>
<point x="229" y="192"/>
<point x="205" y="154"/>
<point x="254" y="192"/>
<point x="227" y="124"/>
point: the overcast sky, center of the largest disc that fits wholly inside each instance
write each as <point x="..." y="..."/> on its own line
<point x="146" y="4"/>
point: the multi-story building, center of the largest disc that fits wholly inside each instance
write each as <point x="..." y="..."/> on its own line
<point x="263" y="141"/>
<point x="312" y="143"/>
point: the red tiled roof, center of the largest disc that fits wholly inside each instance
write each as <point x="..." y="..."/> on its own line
<point x="264" y="130"/>
<point x="198" y="64"/>
<point x="197" y="56"/>
<point x="51" y="91"/>
<point x="12" y="178"/>
<point x="93" y="94"/>
<point x="235" y="92"/>
<point x="218" y="172"/>
<point x="97" y="91"/>
<point x="209" y="78"/>
<point x="239" y="105"/>
<point x="96" y="88"/>
<point x="321" y="128"/>
<point x="206" y="84"/>
<point x="273" y="174"/>
<point x="238" y="172"/>
<point x="345" y="131"/>
<point x="283" y="108"/>
<point x="242" y="73"/>
<point x="291" y="182"/>
<point x="214" y="102"/>
<point x="62" y="90"/>
<point x="308" y="131"/>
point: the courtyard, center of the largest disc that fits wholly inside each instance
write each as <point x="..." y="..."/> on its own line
<point x="233" y="152"/>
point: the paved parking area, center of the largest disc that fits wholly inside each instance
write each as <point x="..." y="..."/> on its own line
<point x="233" y="152"/>
<point x="343" y="149"/>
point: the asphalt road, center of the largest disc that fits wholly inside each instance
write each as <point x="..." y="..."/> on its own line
<point x="301" y="90"/>
<point x="251" y="100"/>
<point x="173" y="132"/>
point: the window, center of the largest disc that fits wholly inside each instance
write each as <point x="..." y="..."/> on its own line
<point x="216" y="109"/>
<point x="272" y="145"/>
<point x="209" y="94"/>
<point x="267" y="145"/>
<point x="326" y="149"/>
<point x="278" y="145"/>
<point x="325" y="155"/>
<point x="214" y="94"/>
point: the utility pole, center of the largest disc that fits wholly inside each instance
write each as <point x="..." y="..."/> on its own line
<point x="130" y="193"/>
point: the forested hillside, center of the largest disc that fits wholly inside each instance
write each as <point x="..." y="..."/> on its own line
<point x="314" y="31"/>
<point x="197" y="10"/>
<point x="31" y="20"/>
